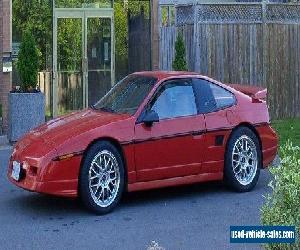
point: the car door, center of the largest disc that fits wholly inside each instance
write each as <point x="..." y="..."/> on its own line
<point x="217" y="104"/>
<point x="173" y="146"/>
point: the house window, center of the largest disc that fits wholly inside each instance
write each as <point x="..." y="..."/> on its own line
<point x="167" y="15"/>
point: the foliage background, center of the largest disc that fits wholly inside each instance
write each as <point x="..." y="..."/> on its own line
<point x="179" y="63"/>
<point x="28" y="62"/>
<point x="36" y="16"/>
<point x="282" y="206"/>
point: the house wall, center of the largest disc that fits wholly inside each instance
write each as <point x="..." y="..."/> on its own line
<point x="5" y="50"/>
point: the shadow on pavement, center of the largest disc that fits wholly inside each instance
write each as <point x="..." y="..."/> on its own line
<point x="40" y="204"/>
<point x="183" y="192"/>
<point x="44" y="204"/>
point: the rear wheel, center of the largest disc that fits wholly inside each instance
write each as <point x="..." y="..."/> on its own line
<point x="243" y="160"/>
<point x="101" y="178"/>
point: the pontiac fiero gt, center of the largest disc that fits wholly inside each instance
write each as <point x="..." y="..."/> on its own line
<point x="151" y="130"/>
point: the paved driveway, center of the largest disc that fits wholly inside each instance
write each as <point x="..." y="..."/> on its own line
<point x="190" y="217"/>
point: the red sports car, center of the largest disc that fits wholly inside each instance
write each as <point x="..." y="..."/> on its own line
<point x="151" y="130"/>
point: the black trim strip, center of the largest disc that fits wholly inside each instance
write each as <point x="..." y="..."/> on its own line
<point x="124" y="143"/>
<point x="193" y="133"/>
<point x="73" y="154"/>
<point x="261" y="124"/>
<point x="222" y="129"/>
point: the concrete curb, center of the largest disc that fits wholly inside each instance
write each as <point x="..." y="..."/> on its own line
<point x="4" y="143"/>
<point x="3" y="140"/>
<point x="5" y="148"/>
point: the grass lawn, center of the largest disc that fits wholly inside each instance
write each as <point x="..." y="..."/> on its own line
<point x="288" y="129"/>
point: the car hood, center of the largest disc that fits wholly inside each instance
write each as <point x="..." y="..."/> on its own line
<point x="68" y="126"/>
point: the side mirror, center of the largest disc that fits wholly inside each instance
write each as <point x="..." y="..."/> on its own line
<point x="150" y="117"/>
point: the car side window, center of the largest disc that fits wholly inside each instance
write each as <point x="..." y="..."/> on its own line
<point x="175" y="99"/>
<point x="223" y="97"/>
<point x="211" y="97"/>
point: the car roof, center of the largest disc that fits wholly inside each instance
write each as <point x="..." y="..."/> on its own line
<point x="161" y="75"/>
<point x="166" y="74"/>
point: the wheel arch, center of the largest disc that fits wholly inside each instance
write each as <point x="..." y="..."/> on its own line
<point x="118" y="146"/>
<point x="252" y="128"/>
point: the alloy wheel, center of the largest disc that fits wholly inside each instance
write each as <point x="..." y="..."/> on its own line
<point x="104" y="178"/>
<point x="244" y="160"/>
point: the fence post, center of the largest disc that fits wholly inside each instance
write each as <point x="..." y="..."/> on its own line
<point x="264" y="30"/>
<point x="196" y="40"/>
<point x="175" y="21"/>
<point x="155" y="9"/>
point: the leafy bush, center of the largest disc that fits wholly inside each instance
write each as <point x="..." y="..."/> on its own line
<point x="179" y="63"/>
<point x="282" y="206"/>
<point x="28" y="62"/>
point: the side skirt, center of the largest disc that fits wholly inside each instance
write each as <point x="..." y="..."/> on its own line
<point x="176" y="181"/>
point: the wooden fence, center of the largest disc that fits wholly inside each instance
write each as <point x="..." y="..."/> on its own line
<point x="45" y="84"/>
<point x="248" y="43"/>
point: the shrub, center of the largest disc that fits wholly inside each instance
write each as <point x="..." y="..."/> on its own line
<point x="28" y="62"/>
<point x="282" y="206"/>
<point x="179" y="63"/>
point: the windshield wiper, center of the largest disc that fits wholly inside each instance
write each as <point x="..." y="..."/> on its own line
<point x="106" y="109"/>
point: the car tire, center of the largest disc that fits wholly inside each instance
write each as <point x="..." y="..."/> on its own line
<point x="243" y="160"/>
<point x="101" y="180"/>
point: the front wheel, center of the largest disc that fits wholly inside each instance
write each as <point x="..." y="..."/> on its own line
<point x="243" y="160"/>
<point x="101" y="178"/>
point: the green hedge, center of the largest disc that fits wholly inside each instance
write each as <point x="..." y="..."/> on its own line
<point x="28" y="62"/>
<point x="179" y="63"/>
<point x="282" y="206"/>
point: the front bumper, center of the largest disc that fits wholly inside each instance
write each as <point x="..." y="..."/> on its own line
<point x="59" y="178"/>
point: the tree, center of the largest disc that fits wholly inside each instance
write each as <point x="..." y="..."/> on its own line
<point x="69" y="44"/>
<point x="35" y="16"/>
<point x="28" y="62"/>
<point x="179" y="63"/>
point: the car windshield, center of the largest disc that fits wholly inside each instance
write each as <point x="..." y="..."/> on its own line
<point x="127" y="95"/>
